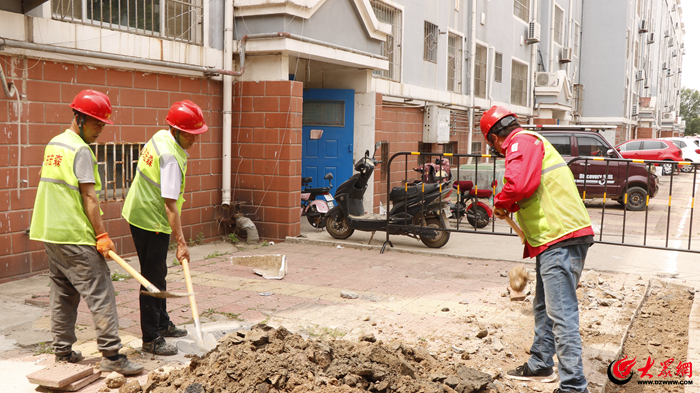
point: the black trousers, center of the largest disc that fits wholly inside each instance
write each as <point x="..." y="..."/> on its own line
<point x="152" y="249"/>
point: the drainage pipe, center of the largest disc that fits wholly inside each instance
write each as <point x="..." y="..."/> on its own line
<point x="472" y="69"/>
<point x="228" y="98"/>
<point x="10" y="91"/>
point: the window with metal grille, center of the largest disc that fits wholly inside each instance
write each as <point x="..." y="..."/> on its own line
<point x="424" y="148"/>
<point x="518" y="84"/>
<point x="454" y="63"/>
<point x="327" y="113"/>
<point x="558" y="25"/>
<point x="450" y="148"/>
<point x="498" y="68"/>
<point x="179" y="20"/>
<point x="391" y="48"/>
<point x="521" y="9"/>
<point x="430" y="42"/>
<point x="480" y="71"/>
<point x="116" y="163"/>
<point x="476" y="148"/>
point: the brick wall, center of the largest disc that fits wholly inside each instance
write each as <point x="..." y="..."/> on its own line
<point x="645" y="132"/>
<point x="266" y="152"/>
<point x="140" y="103"/>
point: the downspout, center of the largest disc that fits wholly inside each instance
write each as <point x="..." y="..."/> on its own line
<point x="228" y="98"/>
<point x="533" y="63"/>
<point x="551" y="38"/>
<point x="10" y="91"/>
<point x="472" y="69"/>
<point x="492" y="73"/>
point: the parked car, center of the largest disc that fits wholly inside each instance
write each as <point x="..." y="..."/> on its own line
<point x="689" y="149"/>
<point x="574" y="141"/>
<point x="651" y="149"/>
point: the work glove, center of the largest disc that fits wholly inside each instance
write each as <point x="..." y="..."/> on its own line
<point x="104" y="245"/>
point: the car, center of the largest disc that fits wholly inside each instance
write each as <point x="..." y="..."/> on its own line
<point x="651" y="149"/>
<point x="690" y="150"/>
<point x="574" y="141"/>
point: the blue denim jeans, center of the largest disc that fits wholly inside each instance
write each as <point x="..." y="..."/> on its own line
<point x="556" y="315"/>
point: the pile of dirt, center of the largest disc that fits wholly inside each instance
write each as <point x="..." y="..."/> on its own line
<point x="265" y="359"/>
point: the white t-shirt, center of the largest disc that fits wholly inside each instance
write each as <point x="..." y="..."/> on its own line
<point x="83" y="166"/>
<point x="170" y="175"/>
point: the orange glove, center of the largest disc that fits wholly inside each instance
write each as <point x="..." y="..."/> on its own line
<point x="105" y="245"/>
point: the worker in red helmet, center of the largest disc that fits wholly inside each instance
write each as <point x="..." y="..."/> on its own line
<point x="67" y="218"/>
<point x="539" y="188"/>
<point x="153" y="208"/>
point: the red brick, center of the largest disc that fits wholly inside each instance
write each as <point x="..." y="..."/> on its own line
<point x="59" y="72"/>
<point x="250" y="88"/>
<point x="198" y="167"/>
<point x="15" y="265"/>
<point x="279" y="120"/>
<point x="250" y="182"/>
<point x="32" y="155"/>
<point x="283" y="183"/>
<point x="157" y="99"/>
<point x="56" y="113"/>
<point x="297" y="89"/>
<point x="4" y="111"/>
<point x="242" y="166"/>
<point x="190" y="216"/>
<point x="291" y="104"/>
<point x="121" y="116"/>
<point x="40" y="261"/>
<point x="267" y="230"/>
<point x="21" y="243"/>
<point x="177" y="96"/>
<point x="266" y="198"/>
<point x="210" y="150"/>
<point x="91" y="75"/>
<point x="289" y="199"/>
<point x="265" y="136"/>
<point x="242" y="135"/>
<point x="34" y="113"/>
<point x="250" y="151"/>
<point x="5" y="245"/>
<point x="168" y="82"/>
<point x="215" y="197"/>
<point x="242" y="104"/>
<point x="278" y="88"/>
<point x="26" y="200"/>
<point x="35" y="69"/>
<point x="43" y="91"/>
<point x="145" y="80"/>
<point x="120" y="78"/>
<point x="290" y="136"/>
<point x="193" y="183"/>
<point x="7" y="157"/>
<point x="191" y="85"/>
<point x="132" y="97"/>
<point x="145" y="116"/>
<point x="69" y="91"/>
<point x="11" y="175"/>
<point x="266" y="104"/>
<point x="249" y="120"/>
<point x="291" y="230"/>
<point x="200" y="199"/>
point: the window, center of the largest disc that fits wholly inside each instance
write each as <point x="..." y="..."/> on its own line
<point x="636" y="54"/>
<point x="558" y="25"/>
<point x="518" y="84"/>
<point x="430" y="33"/>
<point x="324" y="113"/>
<point x="424" y="148"/>
<point x="451" y="148"/>
<point x="179" y="20"/>
<point x="480" y="71"/>
<point x="591" y="147"/>
<point x="476" y="148"/>
<point x="561" y="143"/>
<point x="577" y="37"/>
<point x="454" y="63"/>
<point x="631" y="146"/>
<point x="679" y="144"/>
<point x="654" y="145"/>
<point x="116" y="164"/>
<point x="498" y="68"/>
<point x="521" y="9"/>
<point x="391" y="48"/>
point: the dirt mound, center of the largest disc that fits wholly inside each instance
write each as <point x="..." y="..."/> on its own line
<point x="265" y="359"/>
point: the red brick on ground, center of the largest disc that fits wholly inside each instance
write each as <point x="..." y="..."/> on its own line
<point x="60" y="374"/>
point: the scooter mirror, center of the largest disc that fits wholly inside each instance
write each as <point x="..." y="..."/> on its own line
<point x="377" y="145"/>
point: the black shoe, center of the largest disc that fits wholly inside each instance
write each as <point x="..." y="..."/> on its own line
<point x="558" y="390"/>
<point x="159" y="347"/>
<point x="172" y="331"/>
<point x="524" y="373"/>
<point x="70" y="357"/>
<point x="122" y="366"/>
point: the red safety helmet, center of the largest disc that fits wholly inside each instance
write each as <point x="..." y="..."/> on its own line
<point x="94" y="104"/>
<point x="493" y="116"/>
<point x="186" y="116"/>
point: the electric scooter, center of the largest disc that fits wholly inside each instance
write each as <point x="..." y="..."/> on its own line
<point x="315" y="209"/>
<point x="478" y="213"/>
<point x="419" y="207"/>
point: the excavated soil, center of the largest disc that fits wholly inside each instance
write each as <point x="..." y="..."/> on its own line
<point x="265" y="360"/>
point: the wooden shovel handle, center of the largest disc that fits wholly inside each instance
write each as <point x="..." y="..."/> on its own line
<point x="188" y="281"/>
<point x="141" y="279"/>
<point x="516" y="228"/>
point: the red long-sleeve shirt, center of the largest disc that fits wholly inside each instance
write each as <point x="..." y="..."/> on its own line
<point x="524" y="154"/>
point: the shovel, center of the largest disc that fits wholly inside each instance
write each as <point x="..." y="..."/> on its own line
<point x="210" y="342"/>
<point x="151" y="290"/>
<point x="515" y="228"/>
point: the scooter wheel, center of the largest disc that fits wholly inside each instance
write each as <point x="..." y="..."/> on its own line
<point x="439" y="240"/>
<point x="315" y="218"/>
<point x="338" y="227"/>
<point x="478" y="219"/>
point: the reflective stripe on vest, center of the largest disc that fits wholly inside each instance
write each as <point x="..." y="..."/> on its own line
<point x="555" y="209"/>
<point x="144" y="206"/>
<point x="59" y="216"/>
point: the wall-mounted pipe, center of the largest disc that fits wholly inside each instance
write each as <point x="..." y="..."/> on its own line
<point x="10" y="91"/>
<point x="228" y="102"/>
<point x="472" y="79"/>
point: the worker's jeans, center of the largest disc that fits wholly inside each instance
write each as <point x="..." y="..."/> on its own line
<point x="75" y="271"/>
<point x="152" y="249"/>
<point x="556" y="314"/>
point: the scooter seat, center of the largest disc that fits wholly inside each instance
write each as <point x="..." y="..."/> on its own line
<point x="306" y="180"/>
<point x="320" y="190"/>
<point x="401" y="193"/>
<point x="481" y="193"/>
<point x="464" y="185"/>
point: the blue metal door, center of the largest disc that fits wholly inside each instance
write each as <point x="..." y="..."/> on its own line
<point x="327" y="135"/>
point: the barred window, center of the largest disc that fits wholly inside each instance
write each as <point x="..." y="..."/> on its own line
<point x="180" y="20"/>
<point x="391" y="48"/>
<point x="454" y="63"/>
<point x="451" y="148"/>
<point x="498" y="68"/>
<point x="521" y="9"/>
<point x="480" y="71"/>
<point x="518" y="84"/>
<point x="116" y="163"/>
<point x="430" y="33"/>
<point x="558" y="25"/>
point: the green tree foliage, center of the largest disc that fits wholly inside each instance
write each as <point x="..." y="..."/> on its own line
<point x="690" y="110"/>
<point x="692" y="127"/>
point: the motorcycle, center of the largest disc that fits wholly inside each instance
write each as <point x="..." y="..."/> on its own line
<point x="419" y="207"/>
<point x="314" y="209"/>
<point x="438" y="172"/>
<point x="478" y="213"/>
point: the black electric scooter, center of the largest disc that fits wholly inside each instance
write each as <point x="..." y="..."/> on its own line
<point x="419" y="207"/>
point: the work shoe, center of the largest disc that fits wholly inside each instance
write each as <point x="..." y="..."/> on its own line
<point x="524" y="373"/>
<point x="122" y="366"/>
<point x="558" y="390"/>
<point x="172" y="331"/>
<point x="159" y="347"/>
<point x="70" y="357"/>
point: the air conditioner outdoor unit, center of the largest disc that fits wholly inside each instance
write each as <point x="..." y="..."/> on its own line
<point x="650" y="40"/>
<point x="565" y="55"/>
<point x="533" y="32"/>
<point x="668" y="115"/>
<point x="546" y="79"/>
<point x="643" y="26"/>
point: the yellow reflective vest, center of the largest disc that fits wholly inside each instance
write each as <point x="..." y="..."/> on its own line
<point x="144" y="206"/>
<point x="555" y="209"/>
<point x="59" y="216"/>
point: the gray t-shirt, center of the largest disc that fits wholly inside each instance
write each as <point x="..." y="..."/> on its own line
<point x="83" y="166"/>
